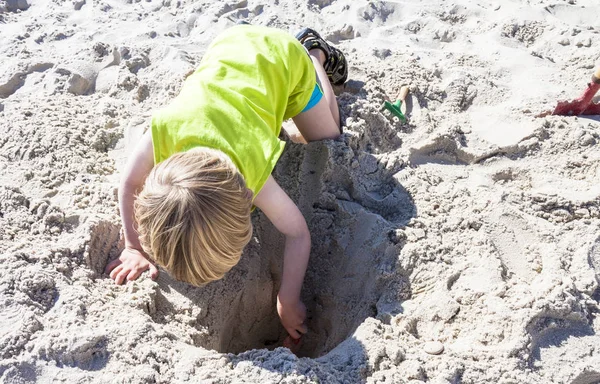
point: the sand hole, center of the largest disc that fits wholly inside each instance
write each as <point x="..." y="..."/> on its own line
<point x="352" y="263"/>
<point x="348" y="274"/>
<point x="352" y="257"/>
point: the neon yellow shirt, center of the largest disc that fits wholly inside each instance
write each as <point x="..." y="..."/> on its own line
<point x="250" y="79"/>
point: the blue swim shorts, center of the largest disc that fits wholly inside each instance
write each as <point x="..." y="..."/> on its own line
<point x="315" y="97"/>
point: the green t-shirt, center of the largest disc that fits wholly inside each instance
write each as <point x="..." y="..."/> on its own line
<point x="250" y="79"/>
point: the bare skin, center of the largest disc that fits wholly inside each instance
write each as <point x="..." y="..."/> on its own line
<point x="323" y="120"/>
<point x="318" y="123"/>
<point x="133" y="261"/>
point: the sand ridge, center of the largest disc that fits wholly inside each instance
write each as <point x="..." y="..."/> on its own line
<point x="474" y="225"/>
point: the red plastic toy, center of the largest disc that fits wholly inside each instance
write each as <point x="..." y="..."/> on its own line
<point x="583" y="105"/>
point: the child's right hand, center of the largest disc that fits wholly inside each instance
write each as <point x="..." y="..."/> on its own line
<point x="130" y="266"/>
<point x="292" y="313"/>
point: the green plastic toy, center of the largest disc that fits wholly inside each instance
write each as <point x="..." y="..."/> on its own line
<point x="398" y="108"/>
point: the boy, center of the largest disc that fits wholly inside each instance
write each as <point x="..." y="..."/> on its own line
<point x="191" y="182"/>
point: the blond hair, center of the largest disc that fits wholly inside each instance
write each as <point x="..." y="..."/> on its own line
<point x="193" y="215"/>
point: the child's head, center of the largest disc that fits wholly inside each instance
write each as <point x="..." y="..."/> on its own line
<point x="193" y="215"/>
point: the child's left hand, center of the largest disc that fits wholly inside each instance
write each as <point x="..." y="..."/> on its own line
<point x="288" y="219"/>
<point x="292" y="314"/>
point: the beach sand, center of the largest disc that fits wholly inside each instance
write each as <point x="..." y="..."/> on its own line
<point x="473" y="227"/>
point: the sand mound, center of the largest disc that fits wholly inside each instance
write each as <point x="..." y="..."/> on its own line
<point x="474" y="225"/>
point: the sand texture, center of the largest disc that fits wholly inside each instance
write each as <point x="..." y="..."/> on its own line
<point x="460" y="247"/>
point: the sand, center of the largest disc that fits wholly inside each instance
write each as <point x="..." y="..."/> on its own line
<point x="474" y="226"/>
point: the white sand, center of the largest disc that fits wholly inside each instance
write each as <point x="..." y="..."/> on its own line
<point x="475" y="225"/>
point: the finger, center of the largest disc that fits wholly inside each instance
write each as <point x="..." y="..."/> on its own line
<point x="293" y="333"/>
<point x="134" y="274"/>
<point x="302" y="328"/>
<point x="110" y="266"/>
<point x="121" y="276"/>
<point x="153" y="272"/>
<point x="116" y="271"/>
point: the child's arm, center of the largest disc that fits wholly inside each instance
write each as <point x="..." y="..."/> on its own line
<point x="288" y="219"/>
<point x="133" y="260"/>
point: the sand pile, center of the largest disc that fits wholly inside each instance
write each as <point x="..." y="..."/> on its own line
<point x="473" y="227"/>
